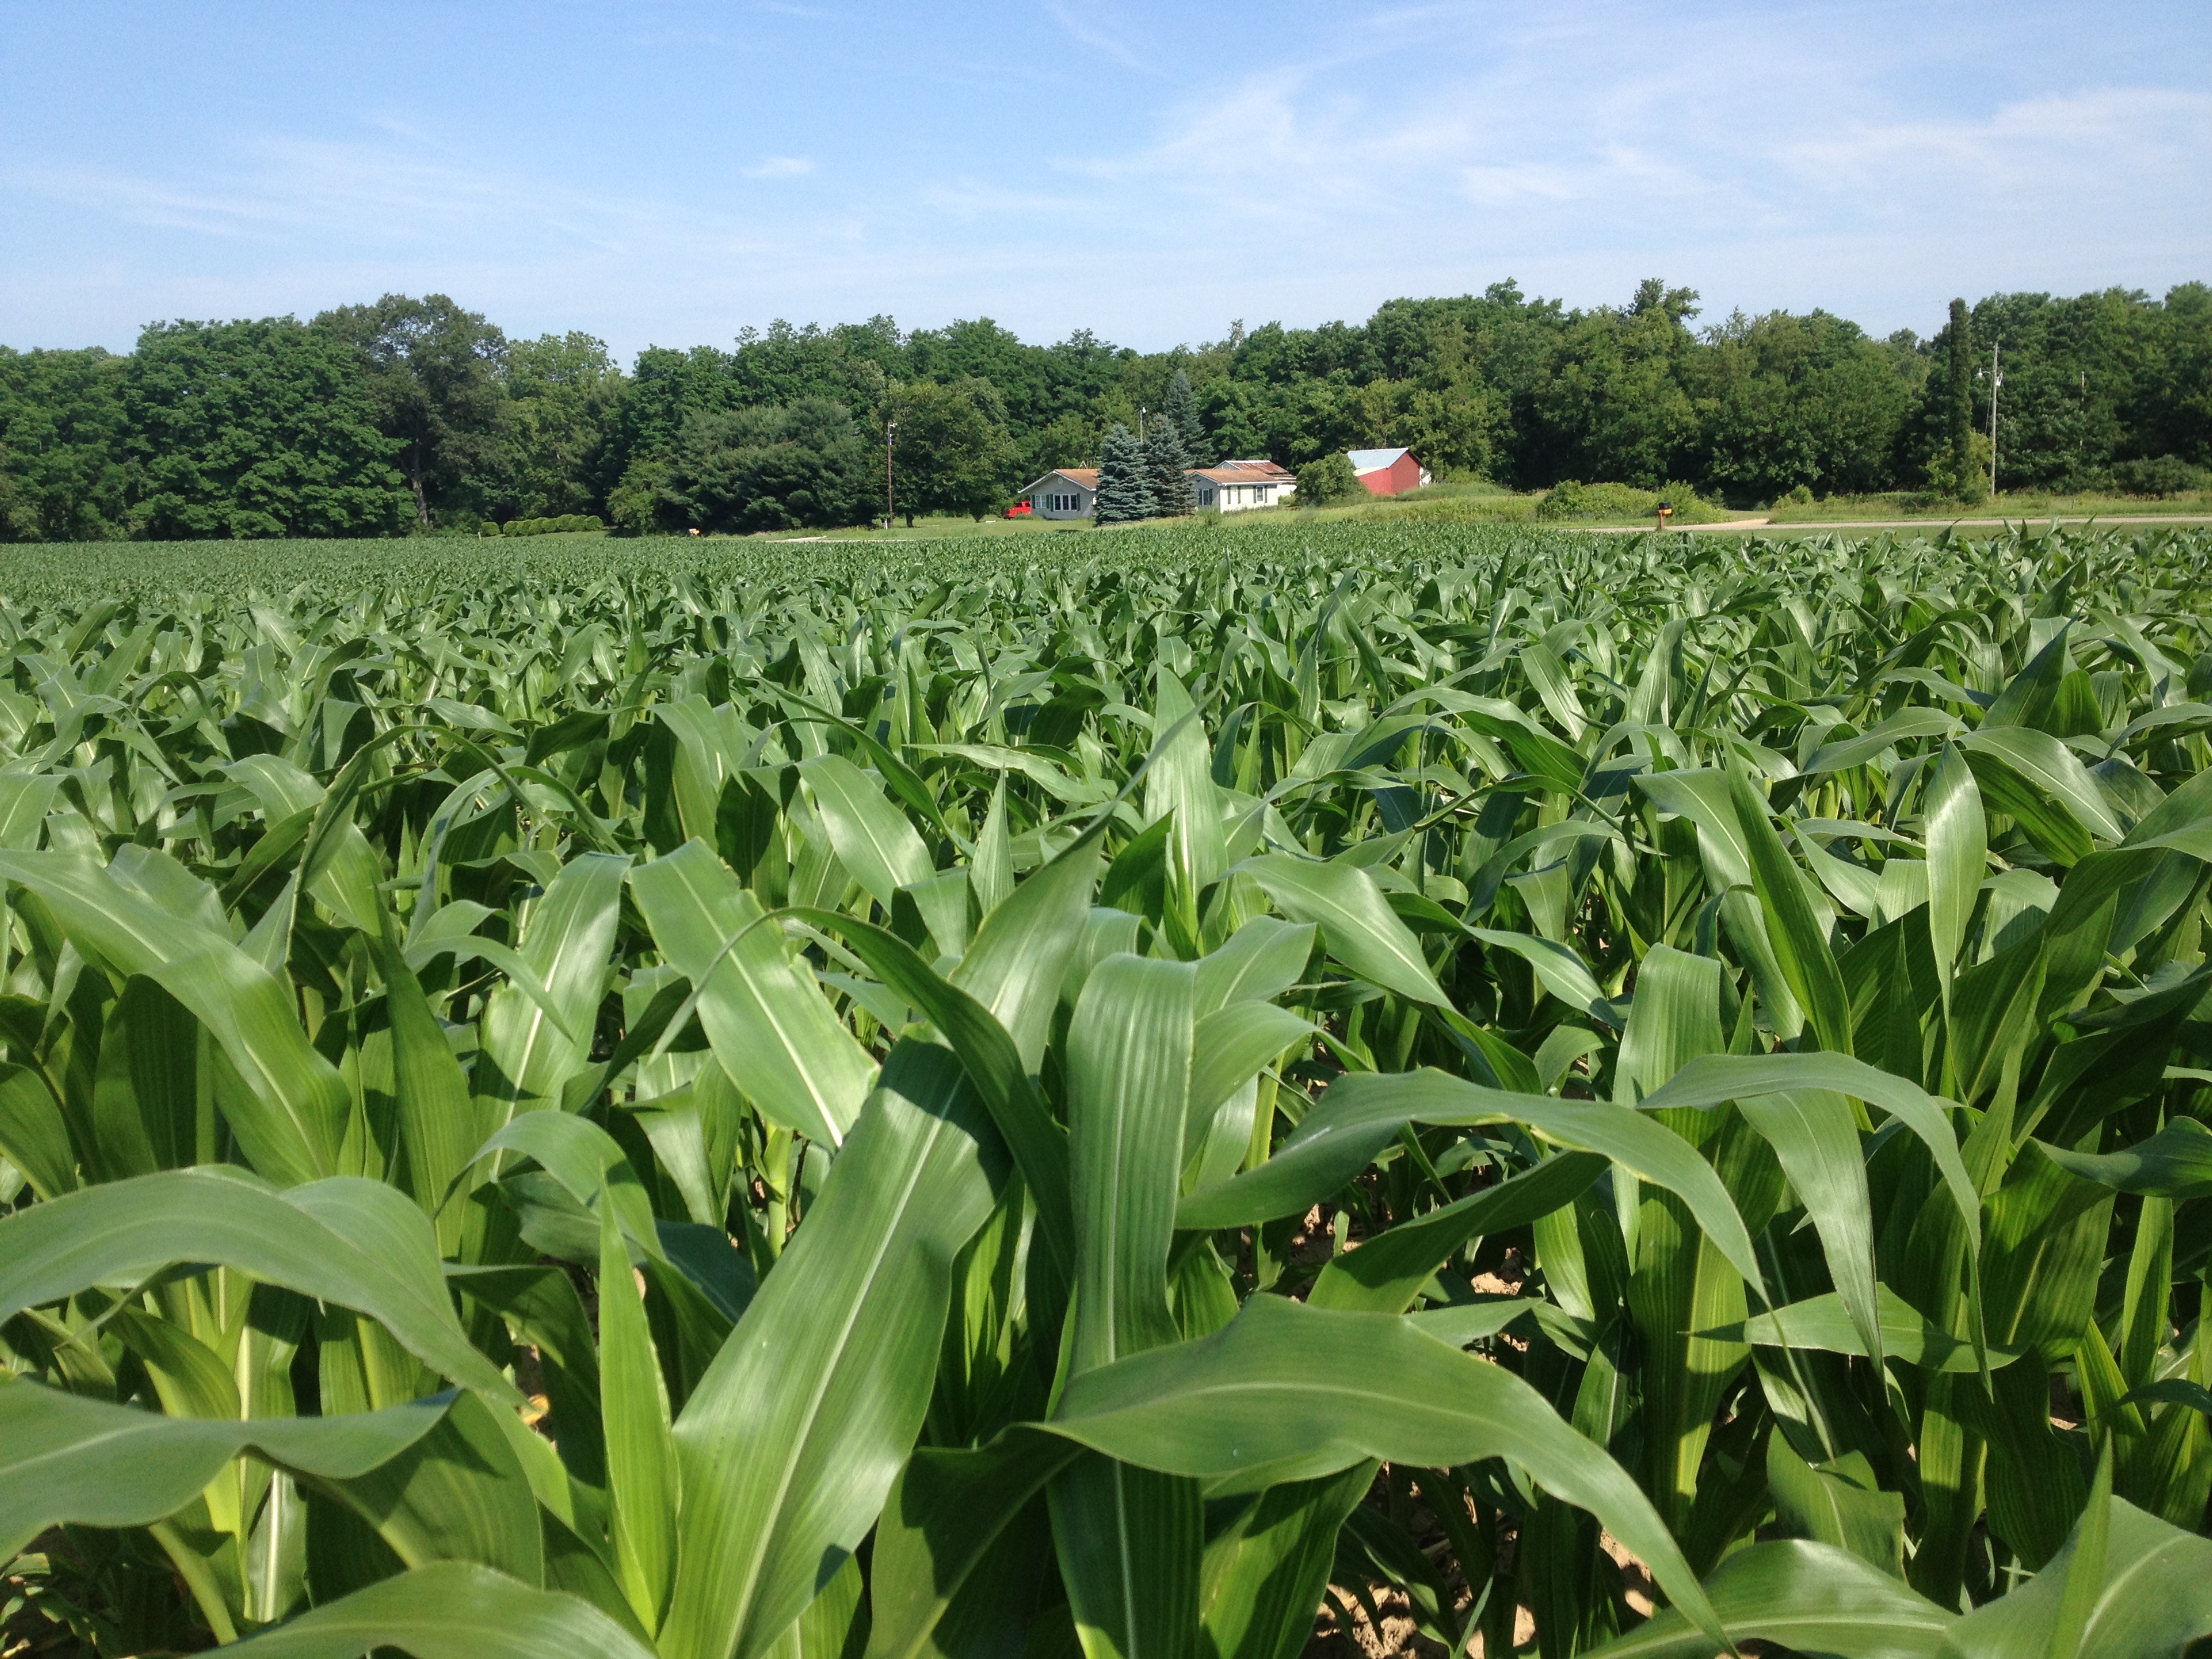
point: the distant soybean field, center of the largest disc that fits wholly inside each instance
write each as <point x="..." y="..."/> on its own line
<point x="1143" y="1094"/>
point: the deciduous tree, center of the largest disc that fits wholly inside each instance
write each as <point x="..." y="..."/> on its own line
<point x="953" y="454"/>
<point x="799" y="465"/>
<point x="255" y="428"/>
<point x="432" y="369"/>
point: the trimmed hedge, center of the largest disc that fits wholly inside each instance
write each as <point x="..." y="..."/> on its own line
<point x="567" y="521"/>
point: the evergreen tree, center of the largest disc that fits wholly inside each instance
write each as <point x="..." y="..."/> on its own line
<point x="1182" y="410"/>
<point x="1125" y="492"/>
<point x="1167" y="464"/>
<point x="1966" y="475"/>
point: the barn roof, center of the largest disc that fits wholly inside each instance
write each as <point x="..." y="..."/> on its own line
<point x="1373" y="460"/>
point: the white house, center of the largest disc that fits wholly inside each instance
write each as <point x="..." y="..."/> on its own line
<point x="1072" y="492"/>
<point x="1067" y="492"/>
<point x="1240" y="486"/>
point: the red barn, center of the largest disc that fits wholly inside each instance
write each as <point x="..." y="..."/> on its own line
<point x="1387" y="471"/>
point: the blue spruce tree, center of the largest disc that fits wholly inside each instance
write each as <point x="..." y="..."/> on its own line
<point x="1182" y="410"/>
<point x="1125" y="490"/>
<point x="1166" y="468"/>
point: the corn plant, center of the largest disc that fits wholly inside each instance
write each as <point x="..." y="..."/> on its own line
<point x="1632" y="1096"/>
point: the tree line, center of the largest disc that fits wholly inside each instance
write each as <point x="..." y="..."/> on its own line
<point x="416" y="414"/>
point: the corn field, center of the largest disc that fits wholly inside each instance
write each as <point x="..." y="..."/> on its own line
<point x="1511" y="1091"/>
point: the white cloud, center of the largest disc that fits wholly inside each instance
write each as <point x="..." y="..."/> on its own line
<point x="1872" y="157"/>
<point x="1100" y="34"/>
<point x="781" y="167"/>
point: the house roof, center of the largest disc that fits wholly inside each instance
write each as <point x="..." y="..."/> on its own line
<point x="1269" y="468"/>
<point x="1083" y="478"/>
<point x="1241" y="475"/>
<point x="1373" y="460"/>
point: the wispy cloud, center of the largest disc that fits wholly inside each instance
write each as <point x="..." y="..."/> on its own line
<point x="1127" y="166"/>
<point x="1103" y="32"/>
<point x="2063" y="148"/>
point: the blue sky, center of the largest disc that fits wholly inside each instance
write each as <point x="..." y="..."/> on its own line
<point x="670" y="172"/>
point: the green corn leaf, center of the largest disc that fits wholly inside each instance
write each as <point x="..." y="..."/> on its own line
<point x="641" y="1448"/>
<point x="2176" y="1162"/>
<point x="946" y="1510"/>
<point x="1356" y="923"/>
<point x="1673" y="1018"/>
<point x="872" y="837"/>
<point x="1816" y="1139"/>
<point x="1264" y="1574"/>
<point x="1558" y="969"/>
<point x="2035" y="777"/>
<point x="1903" y="727"/>
<point x="1364" y="1112"/>
<point x="67" y="1459"/>
<point x="587" y="1162"/>
<point x="1957" y="843"/>
<point x="1837" y="1504"/>
<point x="1388" y="1271"/>
<point x="1822" y="1322"/>
<point x="1233" y="1042"/>
<point x="1039" y="1146"/>
<point x="2148" y="1597"/>
<point x="1129" y="1061"/>
<point x="1180" y="781"/>
<point x="534" y="1044"/>
<point x="1714" y="1079"/>
<point x="1812" y="1598"/>
<point x="1800" y="941"/>
<point x="347" y="1241"/>
<point x="430" y="1095"/>
<point x="34" y="1133"/>
<point x="145" y="1102"/>
<point x="289" y="1120"/>
<point x="1128" y="1539"/>
<point x="1291" y="1393"/>
<point x="788" y="1444"/>
<point x="459" y="1493"/>
<point x="768" y="1023"/>
<point x="1262" y="959"/>
<point x="1022" y="953"/>
<point x="1705" y="797"/>
<point x="450" y="1610"/>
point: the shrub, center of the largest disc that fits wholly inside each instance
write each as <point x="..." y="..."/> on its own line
<point x="1571" y="499"/>
<point x="1328" y="479"/>
<point x="2162" y="475"/>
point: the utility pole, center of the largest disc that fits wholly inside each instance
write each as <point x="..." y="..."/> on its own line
<point x="1997" y="380"/>
<point x="891" y="434"/>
